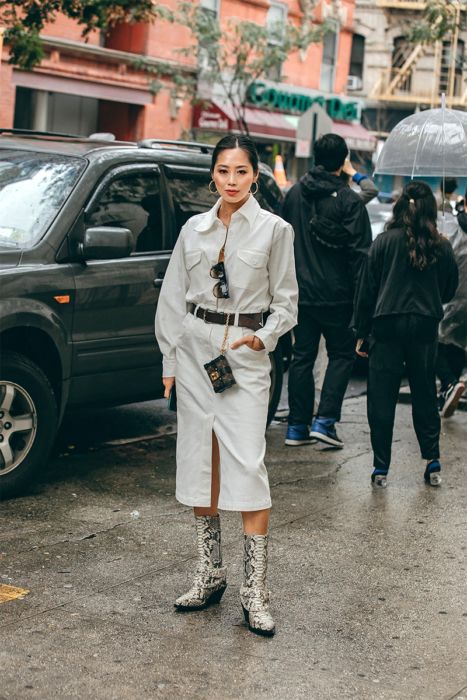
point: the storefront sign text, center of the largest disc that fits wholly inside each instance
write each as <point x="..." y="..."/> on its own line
<point x="264" y="96"/>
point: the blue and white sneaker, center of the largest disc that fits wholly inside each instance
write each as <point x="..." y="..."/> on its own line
<point x="298" y="435"/>
<point x="323" y="429"/>
<point x="379" y="478"/>
<point x="432" y="474"/>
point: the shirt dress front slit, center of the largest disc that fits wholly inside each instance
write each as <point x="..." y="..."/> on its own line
<point x="260" y="270"/>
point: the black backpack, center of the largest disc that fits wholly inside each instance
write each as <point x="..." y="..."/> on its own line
<point x="327" y="231"/>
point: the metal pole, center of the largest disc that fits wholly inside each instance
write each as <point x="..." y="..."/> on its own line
<point x="436" y="74"/>
<point x="453" y="57"/>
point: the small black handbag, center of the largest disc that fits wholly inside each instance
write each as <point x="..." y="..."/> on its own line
<point x="220" y="374"/>
<point x="218" y="369"/>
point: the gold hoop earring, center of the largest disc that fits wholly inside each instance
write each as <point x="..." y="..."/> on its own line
<point x="214" y="191"/>
<point x="256" y="190"/>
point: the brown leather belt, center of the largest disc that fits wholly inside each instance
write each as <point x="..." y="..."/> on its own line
<point x="252" y="321"/>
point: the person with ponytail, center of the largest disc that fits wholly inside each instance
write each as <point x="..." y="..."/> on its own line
<point x="409" y="274"/>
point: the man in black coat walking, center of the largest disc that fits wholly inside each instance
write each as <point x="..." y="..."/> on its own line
<point x="332" y="237"/>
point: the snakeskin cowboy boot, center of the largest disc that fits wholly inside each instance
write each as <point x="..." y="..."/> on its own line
<point x="210" y="578"/>
<point x="254" y="594"/>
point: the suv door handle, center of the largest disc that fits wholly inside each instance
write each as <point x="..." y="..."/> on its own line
<point x="158" y="282"/>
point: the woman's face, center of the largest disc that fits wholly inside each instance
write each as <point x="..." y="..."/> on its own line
<point x="233" y="175"/>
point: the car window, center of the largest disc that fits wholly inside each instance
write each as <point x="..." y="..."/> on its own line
<point x="33" y="189"/>
<point x="269" y="195"/>
<point x="132" y="201"/>
<point x="190" y="193"/>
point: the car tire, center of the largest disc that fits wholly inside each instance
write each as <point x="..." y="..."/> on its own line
<point x="277" y="374"/>
<point x="28" y="422"/>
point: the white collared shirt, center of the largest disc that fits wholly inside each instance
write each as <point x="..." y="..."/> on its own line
<point x="260" y="270"/>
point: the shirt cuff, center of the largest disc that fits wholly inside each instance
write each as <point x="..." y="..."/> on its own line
<point x="358" y="177"/>
<point x="267" y="339"/>
<point x="169" y="365"/>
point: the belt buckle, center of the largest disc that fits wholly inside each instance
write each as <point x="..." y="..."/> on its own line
<point x="204" y="315"/>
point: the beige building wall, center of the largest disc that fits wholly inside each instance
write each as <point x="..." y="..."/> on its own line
<point x="381" y="22"/>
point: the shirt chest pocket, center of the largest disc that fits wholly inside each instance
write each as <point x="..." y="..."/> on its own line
<point x="192" y="258"/>
<point x="197" y="267"/>
<point x="251" y="268"/>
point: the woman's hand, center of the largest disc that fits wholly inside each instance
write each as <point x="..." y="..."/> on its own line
<point x="168" y="383"/>
<point x="253" y="342"/>
<point x="358" y="350"/>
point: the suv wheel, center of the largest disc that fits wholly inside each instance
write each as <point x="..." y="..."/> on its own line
<point x="277" y="371"/>
<point x="28" y="422"/>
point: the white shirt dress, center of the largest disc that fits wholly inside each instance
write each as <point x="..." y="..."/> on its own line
<point x="260" y="270"/>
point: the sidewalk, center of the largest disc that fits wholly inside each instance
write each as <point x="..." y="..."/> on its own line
<point x="368" y="588"/>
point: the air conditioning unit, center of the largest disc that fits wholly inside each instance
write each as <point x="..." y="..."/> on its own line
<point x="354" y="82"/>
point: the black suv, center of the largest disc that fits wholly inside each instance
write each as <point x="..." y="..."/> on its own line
<point x="86" y="231"/>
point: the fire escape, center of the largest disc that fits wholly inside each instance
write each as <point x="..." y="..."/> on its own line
<point x="400" y="84"/>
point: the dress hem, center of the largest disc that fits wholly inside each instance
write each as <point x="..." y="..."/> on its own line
<point x="245" y="507"/>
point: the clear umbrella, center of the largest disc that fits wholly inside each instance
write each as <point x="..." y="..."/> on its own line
<point x="427" y="144"/>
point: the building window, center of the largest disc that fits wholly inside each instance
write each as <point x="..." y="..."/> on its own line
<point x="446" y="65"/>
<point x="355" y="79"/>
<point x="211" y="6"/>
<point x="276" y="21"/>
<point x="206" y="51"/>
<point x="400" y="52"/>
<point x="328" y="64"/>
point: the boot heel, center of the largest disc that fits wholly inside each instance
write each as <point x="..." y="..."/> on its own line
<point x="246" y="615"/>
<point x="216" y="596"/>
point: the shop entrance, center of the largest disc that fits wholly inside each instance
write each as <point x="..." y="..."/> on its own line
<point x="41" y="110"/>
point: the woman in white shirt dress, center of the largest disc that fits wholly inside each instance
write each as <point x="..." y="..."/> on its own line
<point x="230" y="290"/>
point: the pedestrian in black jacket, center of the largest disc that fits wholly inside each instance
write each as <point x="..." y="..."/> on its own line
<point x="329" y="254"/>
<point x="409" y="274"/>
<point x="451" y="358"/>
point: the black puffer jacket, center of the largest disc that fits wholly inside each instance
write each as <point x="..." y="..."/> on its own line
<point x="462" y="219"/>
<point x="327" y="277"/>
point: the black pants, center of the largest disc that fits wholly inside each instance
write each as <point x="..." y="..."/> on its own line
<point x="340" y="347"/>
<point x="449" y="364"/>
<point x="386" y="365"/>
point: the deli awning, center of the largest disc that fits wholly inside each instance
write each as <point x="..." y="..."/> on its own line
<point x="217" y="116"/>
<point x="356" y="136"/>
<point x="267" y="125"/>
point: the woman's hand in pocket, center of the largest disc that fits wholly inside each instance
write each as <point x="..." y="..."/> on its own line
<point x="168" y="383"/>
<point x="362" y="347"/>
<point x="253" y="342"/>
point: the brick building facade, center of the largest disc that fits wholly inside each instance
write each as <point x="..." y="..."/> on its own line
<point x="83" y="87"/>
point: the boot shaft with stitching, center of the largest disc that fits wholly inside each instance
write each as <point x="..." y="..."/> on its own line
<point x="254" y="595"/>
<point x="209" y="582"/>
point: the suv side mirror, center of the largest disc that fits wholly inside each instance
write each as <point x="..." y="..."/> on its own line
<point x="106" y="242"/>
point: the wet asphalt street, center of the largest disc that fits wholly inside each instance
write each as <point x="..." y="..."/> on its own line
<point x="368" y="589"/>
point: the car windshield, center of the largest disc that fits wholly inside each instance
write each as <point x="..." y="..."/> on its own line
<point x="33" y="188"/>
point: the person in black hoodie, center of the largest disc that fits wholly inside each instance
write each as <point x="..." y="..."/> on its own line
<point x="332" y="236"/>
<point x="409" y="274"/>
<point x="453" y="328"/>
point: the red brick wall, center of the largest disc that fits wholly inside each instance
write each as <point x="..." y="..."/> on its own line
<point x="157" y="122"/>
<point x="7" y="94"/>
<point x="66" y="28"/>
<point x="161" y="40"/>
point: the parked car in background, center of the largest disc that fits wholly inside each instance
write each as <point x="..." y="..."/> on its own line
<point x="379" y="213"/>
<point x="86" y="231"/>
